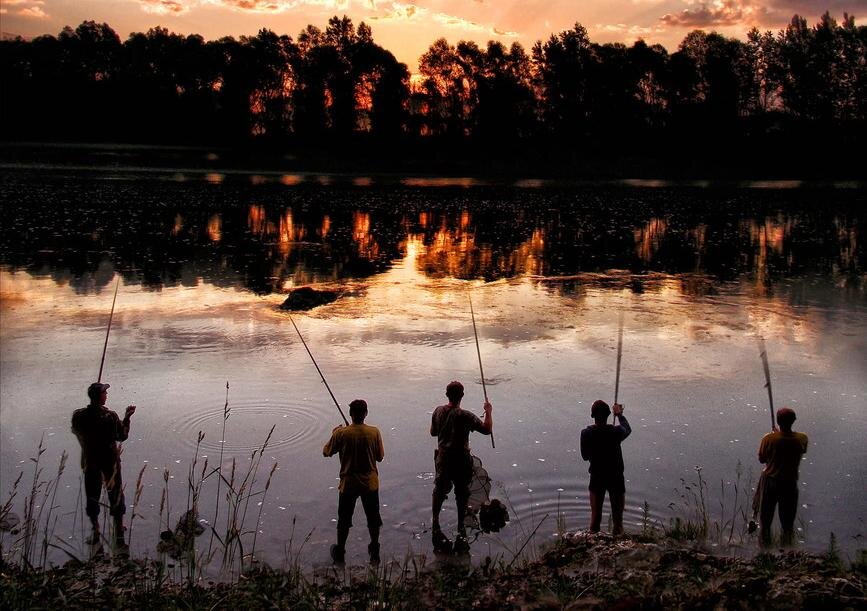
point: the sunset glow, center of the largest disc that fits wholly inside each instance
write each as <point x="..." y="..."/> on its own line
<point x="407" y="28"/>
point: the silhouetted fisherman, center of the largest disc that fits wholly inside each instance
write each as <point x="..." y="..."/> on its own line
<point x="360" y="448"/>
<point x="600" y="444"/>
<point x="98" y="430"/>
<point x="452" y="425"/>
<point x="780" y="452"/>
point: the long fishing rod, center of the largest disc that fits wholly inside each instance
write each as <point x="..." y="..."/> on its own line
<point x="619" y="354"/>
<point x="479" y="354"/>
<point x="315" y="364"/>
<point x="108" y="330"/>
<point x="764" y="354"/>
<point x="757" y="497"/>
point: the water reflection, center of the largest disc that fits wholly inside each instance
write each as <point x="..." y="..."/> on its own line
<point x="269" y="236"/>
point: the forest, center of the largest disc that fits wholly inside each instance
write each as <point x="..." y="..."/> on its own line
<point x="337" y="89"/>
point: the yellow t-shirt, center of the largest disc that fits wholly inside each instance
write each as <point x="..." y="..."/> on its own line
<point x="781" y="453"/>
<point x="360" y="448"/>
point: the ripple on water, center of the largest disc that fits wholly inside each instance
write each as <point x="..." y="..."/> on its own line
<point x="296" y="426"/>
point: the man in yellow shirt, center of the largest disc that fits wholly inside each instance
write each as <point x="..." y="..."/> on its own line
<point x="360" y="448"/>
<point x="780" y="452"/>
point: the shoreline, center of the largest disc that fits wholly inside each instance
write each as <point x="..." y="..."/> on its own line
<point x="460" y="168"/>
<point x="579" y="571"/>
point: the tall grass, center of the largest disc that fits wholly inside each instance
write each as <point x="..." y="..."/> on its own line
<point x="692" y="520"/>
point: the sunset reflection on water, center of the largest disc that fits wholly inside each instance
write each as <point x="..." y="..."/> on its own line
<point x="201" y="287"/>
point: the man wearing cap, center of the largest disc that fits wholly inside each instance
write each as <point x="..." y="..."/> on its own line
<point x="452" y="425"/>
<point x="600" y="444"/>
<point x="780" y="452"/>
<point x="360" y="448"/>
<point x="98" y="430"/>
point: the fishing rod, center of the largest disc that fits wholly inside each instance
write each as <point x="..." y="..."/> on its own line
<point x="757" y="497"/>
<point x="764" y="354"/>
<point x="108" y="330"/>
<point x="479" y="354"/>
<point x="315" y="364"/>
<point x="619" y="354"/>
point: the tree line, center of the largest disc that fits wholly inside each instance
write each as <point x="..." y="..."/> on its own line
<point x="338" y="83"/>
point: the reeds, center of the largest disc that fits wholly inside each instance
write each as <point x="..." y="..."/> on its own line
<point x="692" y="520"/>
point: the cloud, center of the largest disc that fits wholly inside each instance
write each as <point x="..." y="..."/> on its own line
<point x="274" y="7"/>
<point x="716" y="13"/>
<point x="165" y="7"/>
<point x="33" y="12"/>
<point x="631" y="30"/>
<point x="399" y="11"/>
<point x="31" y="9"/>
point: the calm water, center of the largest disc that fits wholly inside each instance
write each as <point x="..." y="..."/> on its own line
<point x="205" y="260"/>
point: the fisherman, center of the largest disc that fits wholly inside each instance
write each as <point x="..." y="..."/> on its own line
<point x="98" y="430"/>
<point x="600" y="444"/>
<point x="451" y="425"/>
<point x="780" y="452"/>
<point x="360" y="448"/>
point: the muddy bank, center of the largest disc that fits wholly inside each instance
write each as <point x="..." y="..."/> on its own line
<point x="579" y="572"/>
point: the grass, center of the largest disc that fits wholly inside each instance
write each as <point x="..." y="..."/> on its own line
<point x="693" y="520"/>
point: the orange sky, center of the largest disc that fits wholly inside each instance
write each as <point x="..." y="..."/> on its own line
<point x="407" y="27"/>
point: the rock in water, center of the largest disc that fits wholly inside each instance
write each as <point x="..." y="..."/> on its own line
<point x="306" y="298"/>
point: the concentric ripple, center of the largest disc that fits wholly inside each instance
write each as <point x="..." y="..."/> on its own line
<point x="296" y="426"/>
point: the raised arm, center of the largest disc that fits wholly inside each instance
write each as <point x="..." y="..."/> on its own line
<point x="333" y="446"/>
<point x="488" y="422"/>
<point x="624" y="427"/>
<point x="122" y="426"/>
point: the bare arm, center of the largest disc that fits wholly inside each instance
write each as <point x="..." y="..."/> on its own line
<point x="122" y="426"/>
<point x="332" y="447"/>
<point x="488" y="422"/>
<point x="380" y="449"/>
<point x="625" y="429"/>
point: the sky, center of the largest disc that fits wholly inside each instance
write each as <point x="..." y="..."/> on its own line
<point x="408" y="27"/>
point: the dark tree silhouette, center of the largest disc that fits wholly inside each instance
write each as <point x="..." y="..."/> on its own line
<point x="568" y="98"/>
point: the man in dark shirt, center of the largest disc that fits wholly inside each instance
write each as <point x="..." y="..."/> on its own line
<point x="780" y="452"/>
<point x="600" y="444"/>
<point x="451" y="425"/>
<point x="360" y="448"/>
<point x="98" y="430"/>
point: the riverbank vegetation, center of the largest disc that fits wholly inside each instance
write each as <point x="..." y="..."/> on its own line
<point x="701" y="558"/>
<point x="580" y="571"/>
<point x="786" y="102"/>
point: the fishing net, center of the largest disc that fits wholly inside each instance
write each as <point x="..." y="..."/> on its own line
<point x="483" y="513"/>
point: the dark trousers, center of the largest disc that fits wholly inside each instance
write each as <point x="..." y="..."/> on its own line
<point x="94" y="477"/>
<point x="785" y="495"/>
<point x="346" y="507"/>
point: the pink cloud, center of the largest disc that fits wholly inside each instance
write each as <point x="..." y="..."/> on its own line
<point x="717" y="13"/>
<point x="33" y="12"/>
<point x="399" y="11"/>
<point x="164" y="7"/>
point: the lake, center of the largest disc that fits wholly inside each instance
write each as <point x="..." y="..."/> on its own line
<point x="697" y="271"/>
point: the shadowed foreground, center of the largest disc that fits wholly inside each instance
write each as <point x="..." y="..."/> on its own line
<point x="581" y="571"/>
